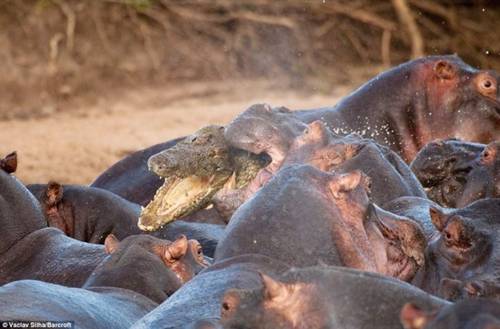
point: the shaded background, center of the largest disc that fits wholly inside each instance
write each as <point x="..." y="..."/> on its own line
<point x="84" y="83"/>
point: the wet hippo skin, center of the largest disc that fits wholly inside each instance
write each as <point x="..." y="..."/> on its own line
<point x="476" y="314"/>
<point x="201" y="297"/>
<point x="483" y="180"/>
<point x="462" y="255"/>
<point x="456" y="173"/>
<point x="443" y="166"/>
<point x="406" y="107"/>
<point x="20" y="213"/>
<point x="89" y="214"/>
<point x="130" y="177"/>
<point x="30" y="250"/>
<point x="417" y="209"/>
<point x="467" y="248"/>
<point x="305" y="217"/>
<point x="390" y="175"/>
<point x="435" y="97"/>
<point x="140" y="273"/>
<point x="49" y="255"/>
<point x="321" y="298"/>
<point x="318" y="146"/>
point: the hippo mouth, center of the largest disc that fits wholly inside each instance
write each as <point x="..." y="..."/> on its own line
<point x="179" y="197"/>
<point x="402" y="258"/>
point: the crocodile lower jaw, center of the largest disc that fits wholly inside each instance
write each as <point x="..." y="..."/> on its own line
<point x="176" y="198"/>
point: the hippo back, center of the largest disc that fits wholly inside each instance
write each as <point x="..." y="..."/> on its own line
<point x="96" y="308"/>
<point x="201" y="297"/>
<point x="50" y="256"/>
<point x="130" y="177"/>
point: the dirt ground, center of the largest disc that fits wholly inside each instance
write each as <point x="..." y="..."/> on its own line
<point x="75" y="146"/>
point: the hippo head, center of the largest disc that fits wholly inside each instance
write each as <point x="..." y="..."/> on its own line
<point x="148" y="265"/>
<point x="443" y="168"/>
<point x="316" y="146"/>
<point x="20" y="212"/>
<point x="468" y="244"/>
<point x="184" y="257"/>
<point x="388" y="244"/>
<point x="484" y="286"/>
<point x="276" y="305"/>
<point x="467" y="314"/>
<point x="484" y="179"/>
<point x="262" y="129"/>
<point x="321" y="148"/>
<point x="464" y="102"/>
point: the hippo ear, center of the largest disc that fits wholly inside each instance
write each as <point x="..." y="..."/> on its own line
<point x="413" y="317"/>
<point x="111" y="244"/>
<point x="474" y="288"/>
<point x="177" y="249"/>
<point x="450" y="289"/>
<point x="444" y="70"/>
<point x="54" y="193"/>
<point x="455" y="233"/>
<point x="489" y="154"/>
<point x="345" y="183"/>
<point x="9" y="163"/>
<point x="230" y="302"/>
<point x="438" y="218"/>
<point x="273" y="289"/>
<point x="316" y="130"/>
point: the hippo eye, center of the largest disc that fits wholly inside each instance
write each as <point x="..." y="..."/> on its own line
<point x="487" y="84"/>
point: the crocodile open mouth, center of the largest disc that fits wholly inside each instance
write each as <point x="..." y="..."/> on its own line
<point x="178" y="197"/>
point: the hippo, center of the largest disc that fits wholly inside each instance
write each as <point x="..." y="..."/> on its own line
<point x="320" y="147"/>
<point x="20" y="213"/>
<point x="305" y="217"/>
<point x="410" y="105"/>
<point x="86" y="213"/>
<point x="482" y="286"/>
<point x="89" y="214"/>
<point x="466" y="248"/>
<point x="47" y="254"/>
<point x="30" y="250"/>
<point x="322" y="298"/>
<point x="467" y="314"/>
<point x="130" y="177"/>
<point x="222" y="166"/>
<point x="435" y="97"/>
<point x="263" y="129"/>
<point x="457" y="173"/>
<point x="417" y="209"/>
<point x="140" y="273"/>
<point x="483" y="180"/>
<point x="197" y="304"/>
<point x="461" y="256"/>
<point x="390" y="176"/>
<point x="443" y="168"/>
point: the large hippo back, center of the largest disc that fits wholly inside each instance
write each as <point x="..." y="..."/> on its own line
<point x="201" y="297"/>
<point x="130" y="177"/>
